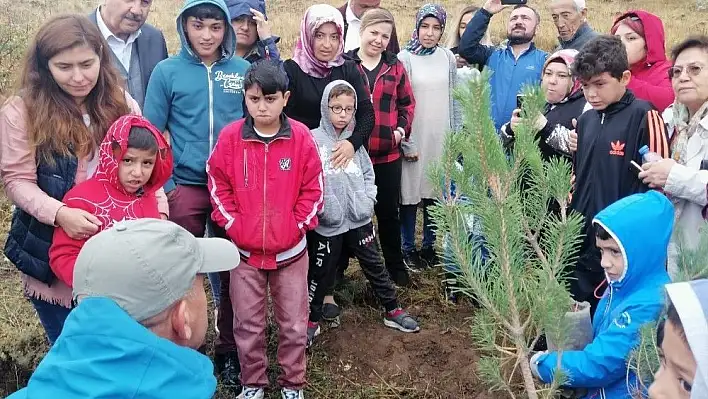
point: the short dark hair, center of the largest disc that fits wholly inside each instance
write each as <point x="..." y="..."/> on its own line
<point x="141" y="138"/>
<point x="341" y="90"/>
<point x="538" y="16"/>
<point x="267" y="75"/>
<point x="601" y="233"/>
<point x="204" y="11"/>
<point x="672" y="316"/>
<point x="602" y="54"/>
<point x="700" y="42"/>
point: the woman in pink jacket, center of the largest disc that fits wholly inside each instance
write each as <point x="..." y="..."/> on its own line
<point x="643" y="36"/>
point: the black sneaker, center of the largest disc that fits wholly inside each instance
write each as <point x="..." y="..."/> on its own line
<point x="413" y="262"/>
<point x="429" y="257"/>
<point x="330" y="312"/>
<point x="229" y="369"/>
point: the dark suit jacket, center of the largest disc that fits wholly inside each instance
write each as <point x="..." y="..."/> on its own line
<point x="151" y="46"/>
<point x="393" y="45"/>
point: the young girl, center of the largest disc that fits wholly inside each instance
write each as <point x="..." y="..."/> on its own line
<point x="390" y="92"/>
<point x="454" y="35"/>
<point x="69" y="95"/>
<point x="433" y="72"/>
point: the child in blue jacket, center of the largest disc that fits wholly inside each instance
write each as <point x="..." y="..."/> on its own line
<point x="632" y="235"/>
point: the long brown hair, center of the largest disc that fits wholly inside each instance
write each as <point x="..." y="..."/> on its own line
<point x="54" y="121"/>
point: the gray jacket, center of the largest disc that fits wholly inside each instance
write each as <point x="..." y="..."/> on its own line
<point x="349" y="193"/>
<point x="582" y="36"/>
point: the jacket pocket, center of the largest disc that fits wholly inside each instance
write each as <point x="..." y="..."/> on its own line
<point x="282" y="233"/>
<point x="332" y="214"/>
<point x="382" y="143"/>
<point x="246" y="175"/>
<point x="192" y="160"/>
<point x="361" y="206"/>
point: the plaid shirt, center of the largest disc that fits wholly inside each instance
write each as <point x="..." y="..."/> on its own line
<point x="393" y="106"/>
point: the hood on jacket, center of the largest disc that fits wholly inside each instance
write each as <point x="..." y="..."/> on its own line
<point x="653" y="34"/>
<point x="568" y="58"/>
<point x="117" y="137"/>
<point x="238" y="8"/>
<point x="228" y="46"/>
<point x="325" y="122"/>
<point x="691" y="302"/>
<point x="641" y="224"/>
<point x="103" y="353"/>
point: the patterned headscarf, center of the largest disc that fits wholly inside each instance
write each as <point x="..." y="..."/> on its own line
<point x="429" y="10"/>
<point x="304" y="53"/>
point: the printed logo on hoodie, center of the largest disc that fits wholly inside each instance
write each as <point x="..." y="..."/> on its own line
<point x="231" y="83"/>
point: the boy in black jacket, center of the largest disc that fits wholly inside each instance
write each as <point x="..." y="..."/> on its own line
<point x="609" y="138"/>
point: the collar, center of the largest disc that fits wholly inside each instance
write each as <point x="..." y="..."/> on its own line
<point x="349" y="14"/>
<point x="388" y="57"/>
<point x="621" y="104"/>
<point x="107" y="34"/>
<point x="249" y="132"/>
<point x="583" y="29"/>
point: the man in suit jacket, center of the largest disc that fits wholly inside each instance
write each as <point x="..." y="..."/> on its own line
<point x="136" y="46"/>
<point x="352" y="12"/>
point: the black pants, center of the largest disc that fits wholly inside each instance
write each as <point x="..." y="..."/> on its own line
<point x="388" y="218"/>
<point x="324" y="257"/>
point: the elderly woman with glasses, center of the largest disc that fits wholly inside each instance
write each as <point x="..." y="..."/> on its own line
<point x="684" y="176"/>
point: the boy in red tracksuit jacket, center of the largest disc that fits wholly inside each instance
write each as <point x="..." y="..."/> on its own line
<point x="265" y="180"/>
<point x="134" y="162"/>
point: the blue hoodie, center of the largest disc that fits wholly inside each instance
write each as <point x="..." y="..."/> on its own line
<point x="194" y="101"/>
<point x="263" y="49"/>
<point x="103" y="353"/>
<point x="641" y="224"/>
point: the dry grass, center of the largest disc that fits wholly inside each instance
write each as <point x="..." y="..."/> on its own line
<point x="21" y="344"/>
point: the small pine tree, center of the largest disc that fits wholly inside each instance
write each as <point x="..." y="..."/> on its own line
<point x="520" y="287"/>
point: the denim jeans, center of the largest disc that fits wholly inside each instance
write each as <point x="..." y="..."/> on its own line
<point x="408" y="217"/>
<point x="51" y="316"/>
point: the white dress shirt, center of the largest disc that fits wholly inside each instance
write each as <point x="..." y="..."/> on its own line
<point x="123" y="49"/>
<point x="352" y="39"/>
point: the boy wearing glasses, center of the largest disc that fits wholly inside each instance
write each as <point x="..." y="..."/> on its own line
<point x="608" y="139"/>
<point x="345" y="219"/>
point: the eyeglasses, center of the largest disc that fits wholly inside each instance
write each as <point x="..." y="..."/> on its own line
<point x="692" y="70"/>
<point x="338" y="109"/>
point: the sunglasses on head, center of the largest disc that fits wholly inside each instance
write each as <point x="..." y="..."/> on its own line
<point x="692" y="70"/>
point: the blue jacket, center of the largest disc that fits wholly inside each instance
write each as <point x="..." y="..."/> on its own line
<point x="194" y="102"/>
<point x="642" y="225"/>
<point x="263" y="48"/>
<point x="103" y="353"/>
<point x="510" y="74"/>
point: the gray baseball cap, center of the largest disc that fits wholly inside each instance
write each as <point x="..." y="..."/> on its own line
<point x="146" y="265"/>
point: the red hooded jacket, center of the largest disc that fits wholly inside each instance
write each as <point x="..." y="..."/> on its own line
<point x="650" y="80"/>
<point x="103" y="196"/>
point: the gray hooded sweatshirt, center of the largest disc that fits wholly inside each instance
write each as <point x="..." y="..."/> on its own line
<point x="349" y="193"/>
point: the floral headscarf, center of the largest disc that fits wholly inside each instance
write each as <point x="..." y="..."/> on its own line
<point x="304" y="53"/>
<point x="568" y="57"/>
<point x="429" y="10"/>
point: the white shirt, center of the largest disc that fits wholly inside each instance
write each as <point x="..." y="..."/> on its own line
<point x="123" y="49"/>
<point x="352" y="39"/>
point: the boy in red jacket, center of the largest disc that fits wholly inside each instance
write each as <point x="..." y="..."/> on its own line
<point x="265" y="181"/>
<point x="134" y="162"/>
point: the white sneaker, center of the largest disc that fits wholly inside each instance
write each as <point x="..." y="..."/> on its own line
<point x="216" y="320"/>
<point x="251" y="393"/>
<point x="292" y="394"/>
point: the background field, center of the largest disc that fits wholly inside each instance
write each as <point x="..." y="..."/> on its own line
<point x="360" y="359"/>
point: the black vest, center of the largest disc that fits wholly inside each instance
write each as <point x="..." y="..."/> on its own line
<point x="28" y="241"/>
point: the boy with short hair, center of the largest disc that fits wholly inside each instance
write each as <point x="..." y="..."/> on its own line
<point x="609" y="138"/>
<point x="134" y="162"/>
<point x="191" y="96"/>
<point x="265" y="180"/>
<point x="633" y="236"/>
<point x="254" y="41"/>
<point x="345" y="220"/>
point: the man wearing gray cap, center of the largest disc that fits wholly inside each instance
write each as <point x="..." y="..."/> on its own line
<point x="141" y="313"/>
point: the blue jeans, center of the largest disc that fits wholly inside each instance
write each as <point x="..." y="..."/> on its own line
<point x="408" y="216"/>
<point x="215" y="283"/>
<point x="51" y="316"/>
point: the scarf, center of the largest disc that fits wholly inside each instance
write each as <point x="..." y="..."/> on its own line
<point x="304" y="53"/>
<point x="429" y="10"/>
<point x="685" y="129"/>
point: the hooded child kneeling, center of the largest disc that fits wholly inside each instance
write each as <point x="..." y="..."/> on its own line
<point x="633" y="236"/>
<point x="134" y="162"/>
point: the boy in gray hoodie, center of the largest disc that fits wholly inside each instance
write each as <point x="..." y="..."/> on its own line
<point x="345" y="219"/>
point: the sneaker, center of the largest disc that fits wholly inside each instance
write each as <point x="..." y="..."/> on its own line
<point x="450" y="293"/>
<point x="429" y="257"/>
<point x="330" y="311"/>
<point x="292" y="393"/>
<point x="228" y="368"/>
<point x="251" y="393"/>
<point x="413" y="262"/>
<point x="401" y="321"/>
<point x="216" y="321"/>
<point x="313" y="330"/>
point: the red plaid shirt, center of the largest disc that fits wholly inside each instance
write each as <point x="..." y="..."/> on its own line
<point x="393" y="107"/>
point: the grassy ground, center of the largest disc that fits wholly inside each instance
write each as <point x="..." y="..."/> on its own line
<point x="361" y="358"/>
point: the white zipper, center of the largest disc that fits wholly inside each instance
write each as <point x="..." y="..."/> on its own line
<point x="602" y="121"/>
<point x="211" y="108"/>
<point x="265" y="187"/>
<point x="245" y="166"/>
